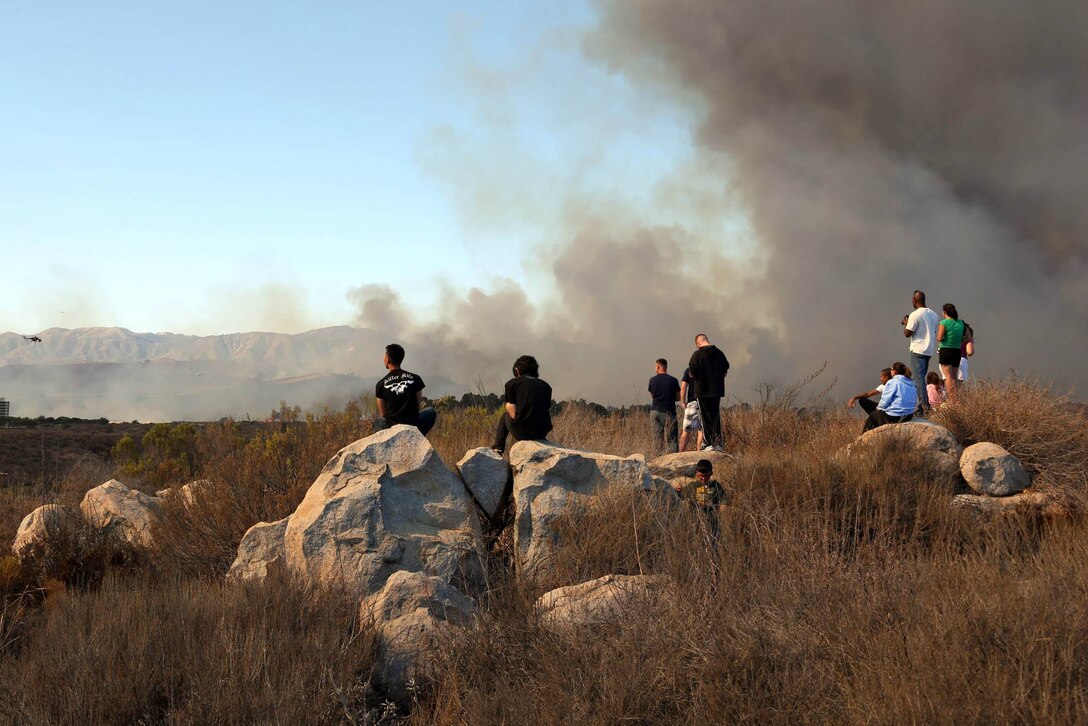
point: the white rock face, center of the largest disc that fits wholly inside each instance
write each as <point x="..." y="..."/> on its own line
<point x="117" y="510"/>
<point x="548" y="479"/>
<point x="383" y="504"/>
<point x="486" y="475"/>
<point x="935" y="441"/>
<point x="989" y="469"/>
<point x="600" y="601"/>
<point x="186" y="492"/>
<point x="38" y="529"/>
<point x="260" y="552"/>
<point x="410" y="612"/>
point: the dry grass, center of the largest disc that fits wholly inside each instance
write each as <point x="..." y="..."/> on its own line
<point x="835" y="591"/>
<point x="136" y="651"/>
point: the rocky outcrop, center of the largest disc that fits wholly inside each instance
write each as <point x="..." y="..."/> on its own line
<point x="410" y="614"/>
<point x="548" y="479"/>
<point x="989" y="469"/>
<point x="600" y="601"/>
<point x="260" y="552"/>
<point x="939" y="445"/>
<point x="41" y="529"/>
<point x="121" y="512"/>
<point x="486" y="475"/>
<point x="186" y="493"/>
<point x="383" y="504"/>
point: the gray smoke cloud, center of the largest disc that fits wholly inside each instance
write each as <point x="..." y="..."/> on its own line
<point x="873" y="148"/>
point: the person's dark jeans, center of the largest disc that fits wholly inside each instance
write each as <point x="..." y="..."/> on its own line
<point x="868" y="405"/>
<point x="710" y="411"/>
<point x="427" y="419"/>
<point x="880" y="418"/>
<point x="919" y="367"/>
<point x="662" y="424"/>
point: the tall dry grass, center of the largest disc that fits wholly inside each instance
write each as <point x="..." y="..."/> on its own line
<point x="842" y="591"/>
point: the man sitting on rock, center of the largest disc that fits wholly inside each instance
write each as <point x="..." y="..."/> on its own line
<point x="400" y="394"/>
<point x="865" y="399"/>
<point x="528" y="406"/>
<point x="898" y="400"/>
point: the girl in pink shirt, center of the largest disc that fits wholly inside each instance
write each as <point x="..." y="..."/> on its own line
<point x="934" y="389"/>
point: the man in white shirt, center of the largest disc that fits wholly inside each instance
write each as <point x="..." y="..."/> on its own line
<point x="921" y="327"/>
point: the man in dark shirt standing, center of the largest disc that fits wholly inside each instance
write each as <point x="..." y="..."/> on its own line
<point x="400" y="394"/>
<point x="665" y="391"/>
<point x="528" y="405"/>
<point x="709" y="366"/>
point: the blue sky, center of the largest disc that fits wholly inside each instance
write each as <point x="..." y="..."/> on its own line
<point x="215" y="167"/>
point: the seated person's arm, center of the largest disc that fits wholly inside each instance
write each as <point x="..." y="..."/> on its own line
<point x="381" y="406"/>
<point x="854" y="399"/>
<point x="419" y="400"/>
<point x="512" y="410"/>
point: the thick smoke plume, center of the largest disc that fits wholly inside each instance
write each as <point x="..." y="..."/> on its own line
<point x="874" y="148"/>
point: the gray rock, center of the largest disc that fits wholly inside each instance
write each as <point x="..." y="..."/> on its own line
<point x="118" y="511"/>
<point x="486" y="476"/>
<point x="412" y="614"/>
<point x="383" y="504"/>
<point x="40" y="530"/>
<point x="548" y="479"/>
<point x="937" y="442"/>
<point x="600" y="601"/>
<point x="260" y="552"/>
<point x="682" y="464"/>
<point x="989" y="469"/>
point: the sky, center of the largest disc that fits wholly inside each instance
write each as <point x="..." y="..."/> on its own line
<point x="209" y="168"/>
<point x="591" y="181"/>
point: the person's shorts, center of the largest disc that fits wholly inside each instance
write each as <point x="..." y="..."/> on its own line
<point x="949" y="357"/>
<point x="692" y="421"/>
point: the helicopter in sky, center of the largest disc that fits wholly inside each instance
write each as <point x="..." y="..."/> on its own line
<point x="32" y="338"/>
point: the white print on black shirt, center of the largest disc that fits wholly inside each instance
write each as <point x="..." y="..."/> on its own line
<point x="399" y="387"/>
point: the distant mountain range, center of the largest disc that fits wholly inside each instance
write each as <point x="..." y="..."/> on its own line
<point x="122" y="375"/>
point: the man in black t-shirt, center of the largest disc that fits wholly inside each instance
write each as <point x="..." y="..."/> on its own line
<point x="709" y="366"/>
<point x="528" y="402"/>
<point x="665" y="391"/>
<point x="400" y="394"/>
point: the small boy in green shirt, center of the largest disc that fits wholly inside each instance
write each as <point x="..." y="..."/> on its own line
<point x="704" y="492"/>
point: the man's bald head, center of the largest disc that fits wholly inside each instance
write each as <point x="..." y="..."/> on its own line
<point x="919" y="299"/>
<point x="701" y="340"/>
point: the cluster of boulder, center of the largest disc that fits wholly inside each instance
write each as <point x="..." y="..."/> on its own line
<point x="388" y="522"/>
<point x="996" y="479"/>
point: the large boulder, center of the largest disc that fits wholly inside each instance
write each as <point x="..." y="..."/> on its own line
<point x="486" y="475"/>
<point x="40" y="531"/>
<point x="118" y="511"/>
<point x="548" y="479"/>
<point x="260" y="552"/>
<point x="382" y="504"/>
<point x="600" y="601"/>
<point x="410" y="614"/>
<point x="989" y="469"/>
<point x="938" y="443"/>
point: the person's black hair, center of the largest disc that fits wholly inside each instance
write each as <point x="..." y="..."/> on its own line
<point x="886" y="372"/>
<point x="703" y="466"/>
<point x="951" y="311"/>
<point x="899" y="368"/>
<point x="702" y="335"/>
<point x="395" y="351"/>
<point x="921" y="296"/>
<point x="526" y="365"/>
<point x="663" y="363"/>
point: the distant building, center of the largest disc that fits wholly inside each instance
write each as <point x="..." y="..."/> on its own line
<point x="5" y="408"/>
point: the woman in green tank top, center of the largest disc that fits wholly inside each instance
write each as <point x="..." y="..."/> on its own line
<point x="950" y="338"/>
